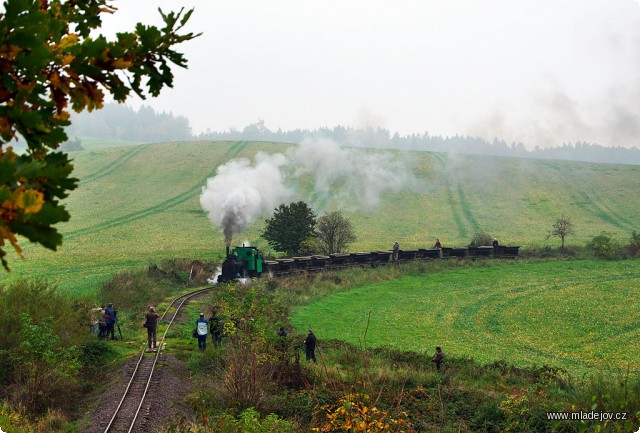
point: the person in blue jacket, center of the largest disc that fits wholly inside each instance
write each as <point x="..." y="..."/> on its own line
<point x="110" y="319"/>
<point x="202" y="326"/>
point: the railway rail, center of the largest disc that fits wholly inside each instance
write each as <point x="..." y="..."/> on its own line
<point x="127" y="415"/>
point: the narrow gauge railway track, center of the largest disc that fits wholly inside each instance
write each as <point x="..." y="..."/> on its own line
<point x="127" y="416"/>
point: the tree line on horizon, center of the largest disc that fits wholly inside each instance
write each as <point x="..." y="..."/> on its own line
<point x="121" y="122"/>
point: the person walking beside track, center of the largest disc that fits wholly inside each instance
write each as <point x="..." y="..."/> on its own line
<point x="201" y="328"/>
<point x="152" y="326"/>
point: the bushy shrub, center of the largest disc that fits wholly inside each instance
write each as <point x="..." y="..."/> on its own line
<point x="40" y="300"/>
<point x="309" y="247"/>
<point x="481" y="239"/>
<point x="94" y="355"/>
<point x="248" y="421"/>
<point x="43" y="369"/>
<point x="247" y="377"/>
<point x="605" y="247"/>
<point x="633" y="247"/>
<point x="184" y="272"/>
<point x="132" y="291"/>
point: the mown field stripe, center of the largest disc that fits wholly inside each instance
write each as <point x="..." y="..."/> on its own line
<point x="620" y="218"/>
<point x="113" y="165"/>
<point x="466" y="209"/>
<point x="462" y="230"/>
<point x="587" y="204"/>
<point x="172" y="202"/>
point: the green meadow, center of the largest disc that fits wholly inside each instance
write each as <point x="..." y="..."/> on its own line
<point x="139" y="203"/>
<point x="577" y="315"/>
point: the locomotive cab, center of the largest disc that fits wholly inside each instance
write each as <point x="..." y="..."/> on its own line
<point x="241" y="262"/>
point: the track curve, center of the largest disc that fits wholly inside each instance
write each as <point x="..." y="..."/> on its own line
<point x="127" y="414"/>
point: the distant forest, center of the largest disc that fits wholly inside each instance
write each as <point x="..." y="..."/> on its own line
<point x="122" y="122"/>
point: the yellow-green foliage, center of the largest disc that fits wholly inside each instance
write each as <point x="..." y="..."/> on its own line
<point x="357" y="413"/>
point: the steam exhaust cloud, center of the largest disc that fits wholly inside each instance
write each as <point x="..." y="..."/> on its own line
<point x="241" y="192"/>
<point x="350" y="179"/>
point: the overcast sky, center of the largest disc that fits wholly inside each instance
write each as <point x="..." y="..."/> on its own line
<point x="541" y="72"/>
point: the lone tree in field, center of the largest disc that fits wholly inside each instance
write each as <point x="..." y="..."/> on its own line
<point x="289" y="227"/>
<point x="334" y="233"/>
<point x="52" y="58"/>
<point x="562" y="228"/>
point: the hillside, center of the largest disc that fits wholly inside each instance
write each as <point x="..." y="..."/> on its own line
<point x="139" y="204"/>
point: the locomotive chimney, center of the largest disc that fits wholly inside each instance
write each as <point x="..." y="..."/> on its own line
<point x="227" y="250"/>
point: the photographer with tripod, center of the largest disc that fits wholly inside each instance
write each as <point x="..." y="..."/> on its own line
<point x="110" y="319"/>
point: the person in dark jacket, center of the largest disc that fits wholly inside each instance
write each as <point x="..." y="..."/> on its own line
<point x="438" y="357"/>
<point x="282" y="339"/>
<point x="396" y="250"/>
<point x="201" y="327"/>
<point x="437" y="245"/>
<point x="310" y="346"/>
<point x="110" y="319"/>
<point x="215" y="327"/>
<point x="152" y="326"/>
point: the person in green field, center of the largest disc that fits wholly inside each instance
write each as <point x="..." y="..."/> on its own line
<point x="438" y="357"/>
<point x="310" y="346"/>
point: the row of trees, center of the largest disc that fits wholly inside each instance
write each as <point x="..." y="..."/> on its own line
<point x="384" y="138"/>
<point x="295" y="229"/>
<point x="121" y="122"/>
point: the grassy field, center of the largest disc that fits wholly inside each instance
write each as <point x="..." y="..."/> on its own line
<point x="138" y="204"/>
<point x="578" y="315"/>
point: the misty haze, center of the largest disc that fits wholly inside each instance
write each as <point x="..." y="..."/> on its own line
<point x="357" y="216"/>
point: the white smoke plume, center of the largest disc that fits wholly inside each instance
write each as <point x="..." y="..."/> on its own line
<point x="349" y="178"/>
<point x="354" y="178"/>
<point x="241" y="192"/>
